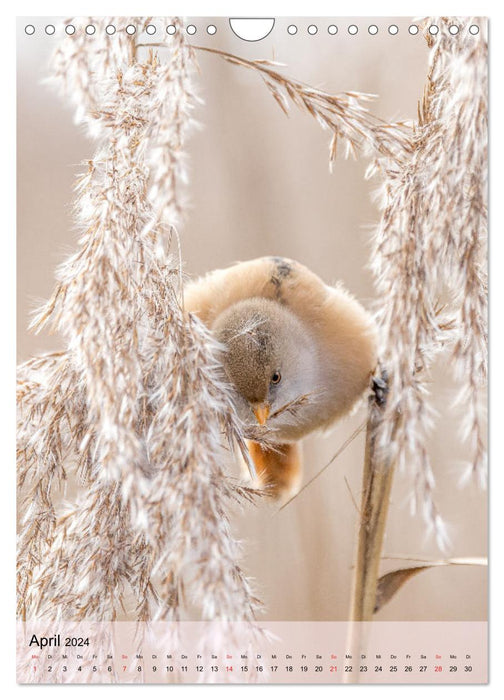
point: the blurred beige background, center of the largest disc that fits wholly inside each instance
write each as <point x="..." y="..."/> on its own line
<point x="260" y="185"/>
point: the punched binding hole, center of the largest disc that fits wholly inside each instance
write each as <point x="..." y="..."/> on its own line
<point x="90" y="29"/>
<point x="353" y="29"/>
<point x="373" y="29"/>
<point x="332" y="29"/>
<point x="413" y="29"/>
<point x="292" y="29"/>
<point x="29" y="29"/>
<point x="171" y="29"/>
<point x="312" y="29"/>
<point x="110" y="29"/>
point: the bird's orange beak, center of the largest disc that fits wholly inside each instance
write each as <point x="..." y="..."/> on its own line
<point x="262" y="412"/>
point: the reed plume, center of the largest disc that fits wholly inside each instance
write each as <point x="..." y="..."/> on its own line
<point x="431" y="245"/>
<point x="137" y="405"/>
<point x="431" y="242"/>
<point x="345" y="116"/>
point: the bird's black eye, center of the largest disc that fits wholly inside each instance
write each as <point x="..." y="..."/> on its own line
<point x="275" y="377"/>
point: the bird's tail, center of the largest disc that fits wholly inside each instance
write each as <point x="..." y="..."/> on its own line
<point x="279" y="469"/>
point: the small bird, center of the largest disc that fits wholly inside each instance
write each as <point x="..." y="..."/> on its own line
<point x="299" y="354"/>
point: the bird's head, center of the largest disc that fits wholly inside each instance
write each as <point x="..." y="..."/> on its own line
<point x="269" y="356"/>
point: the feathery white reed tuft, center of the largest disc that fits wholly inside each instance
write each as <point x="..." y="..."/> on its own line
<point x="432" y="241"/>
<point x="137" y="404"/>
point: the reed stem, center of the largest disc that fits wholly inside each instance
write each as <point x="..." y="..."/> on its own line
<point x="377" y="479"/>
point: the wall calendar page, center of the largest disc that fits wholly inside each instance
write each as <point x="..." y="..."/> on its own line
<point x="252" y="347"/>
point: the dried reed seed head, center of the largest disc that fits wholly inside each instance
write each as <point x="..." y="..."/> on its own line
<point x="152" y="415"/>
<point x="420" y="252"/>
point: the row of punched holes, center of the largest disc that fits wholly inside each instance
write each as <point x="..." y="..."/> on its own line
<point x="211" y="29"/>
